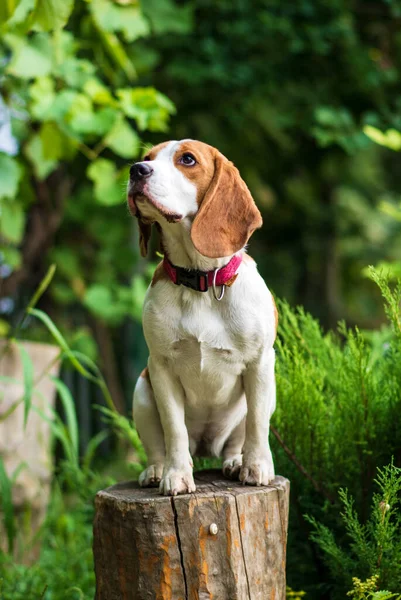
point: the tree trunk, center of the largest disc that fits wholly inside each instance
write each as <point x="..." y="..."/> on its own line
<point x="224" y="542"/>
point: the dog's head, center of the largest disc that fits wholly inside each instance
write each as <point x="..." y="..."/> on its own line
<point x="191" y="181"/>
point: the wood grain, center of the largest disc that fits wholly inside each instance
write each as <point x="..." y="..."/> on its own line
<point x="147" y="546"/>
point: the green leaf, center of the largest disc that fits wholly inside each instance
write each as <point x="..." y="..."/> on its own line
<point x="98" y="92"/>
<point x="27" y="370"/>
<point x="12" y="221"/>
<point x="36" y="154"/>
<point x="60" y="432"/>
<point x="166" y="17"/>
<point x="5" y="328"/>
<point x="58" y="337"/>
<point x="67" y="261"/>
<point x="62" y="103"/>
<point x="84" y="343"/>
<point x="52" y="14"/>
<point x="42" y="287"/>
<point x="117" y="52"/>
<point x="82" y="118"/>
<point x="42" y="94"/>
<point x="92" y="446"/>
<point x="10" y="175"/>
<point x="390" y="138"/>
<point x="55" y="144"/>
<point x="21" y="14"/>
<point x="108" y="185"/>
<point x="99" y="300"/>
<point x="70" y="413"/>
<point x="32" y="57"/>
<point x="76" y="71"/>
<point x="63" y="293"/>
<point x="6" y="504"/>
<point x="148" y="107"/>
<point x="11" y="256"/>
<point x="7" y="8"/>
<point x="123" y="140"/>
<point x="109" y="16"/>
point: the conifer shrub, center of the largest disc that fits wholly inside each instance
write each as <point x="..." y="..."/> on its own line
<point x="374" y="548"/>
<point x="336" y="424"/>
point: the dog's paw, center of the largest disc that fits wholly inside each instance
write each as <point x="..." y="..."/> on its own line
<point x="257" y="471"/>
<point x="177" y="481"/>
<point x="232" y="466"/>
<point x="151" y="476"/>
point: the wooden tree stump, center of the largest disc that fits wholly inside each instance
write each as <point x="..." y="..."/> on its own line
<point x="225" y="542"/>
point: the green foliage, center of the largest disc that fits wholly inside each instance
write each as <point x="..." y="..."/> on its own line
<point x="65" y="565"/>
<point x="6" y="505"/>
<point x="76" y="471"/>
<point x="294" y="595"/>
<point x="374" y="549"/>
<point x="390" y="138"/>
<point x="64" y="568"/>
<point x="78" y="114"/>
<point x="363" y="590"/>
<point x="337" y="413"/>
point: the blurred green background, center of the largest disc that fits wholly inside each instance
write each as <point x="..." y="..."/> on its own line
<point x="284" y="89"/>
<point x="302" y="95"/>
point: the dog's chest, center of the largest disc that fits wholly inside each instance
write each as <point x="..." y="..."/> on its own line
<point x="198" y="335"/>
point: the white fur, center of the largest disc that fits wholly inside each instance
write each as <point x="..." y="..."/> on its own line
<point x="169" y="186"/>
<point x="211" y="364"/>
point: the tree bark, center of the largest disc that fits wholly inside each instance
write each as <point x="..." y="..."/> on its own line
<point x="224" y="542"/>
<point x="44" y="220"/>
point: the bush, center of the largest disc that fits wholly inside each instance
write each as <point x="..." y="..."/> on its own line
<point x="336" y="423"/>
<point x="374" y="548"/>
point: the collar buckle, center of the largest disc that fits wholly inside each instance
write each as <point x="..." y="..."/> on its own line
<point x="196" y="280"/>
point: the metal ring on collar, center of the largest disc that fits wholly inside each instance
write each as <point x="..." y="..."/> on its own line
<point x="218" y="298"/>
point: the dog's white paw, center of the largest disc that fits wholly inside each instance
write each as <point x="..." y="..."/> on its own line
<point x="177" y="481"/>
<point x="232" y="466"/>
<point x="257" y="470"/>
<point x="151" y="476"/>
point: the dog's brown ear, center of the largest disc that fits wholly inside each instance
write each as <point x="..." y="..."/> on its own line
<point x="227" y="216"/>
<point x="145" y="229"/>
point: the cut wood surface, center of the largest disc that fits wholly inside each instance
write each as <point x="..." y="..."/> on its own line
<point x="224" y="542"/>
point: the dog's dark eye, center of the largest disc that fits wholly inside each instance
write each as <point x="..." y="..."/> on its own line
<point x="188" y="159"/>
<point x="147" y="157"/>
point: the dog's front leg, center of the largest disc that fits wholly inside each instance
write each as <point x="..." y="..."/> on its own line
<point x="169" y="395"/>
<point x="260" y="391"/>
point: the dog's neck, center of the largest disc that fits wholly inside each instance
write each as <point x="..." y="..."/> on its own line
<point x="178" y="246"/>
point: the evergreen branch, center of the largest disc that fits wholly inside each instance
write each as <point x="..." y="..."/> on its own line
<point x="300" y="467"/>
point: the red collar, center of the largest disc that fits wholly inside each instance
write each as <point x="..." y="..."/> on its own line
<point x="202" y="280"/>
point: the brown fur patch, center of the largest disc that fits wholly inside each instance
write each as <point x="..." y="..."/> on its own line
<point x="159" y="274"/>
<point x="145" y="374"/>
<point x="228" y="215"/>
<point x="201" y="174"/>
<point x="151" y="155"/>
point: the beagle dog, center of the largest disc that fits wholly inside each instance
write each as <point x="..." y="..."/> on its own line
<point x="208" y="318"/>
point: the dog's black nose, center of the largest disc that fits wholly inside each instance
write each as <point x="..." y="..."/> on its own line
<point x="140" y="170"/>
